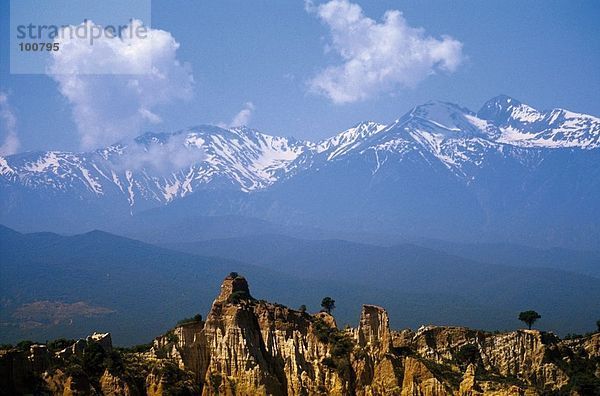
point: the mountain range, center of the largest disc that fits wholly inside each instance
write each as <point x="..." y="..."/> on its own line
<point x="507" y="173"/>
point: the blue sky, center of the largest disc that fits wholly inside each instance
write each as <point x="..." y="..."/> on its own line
<point x="545" y="53"/>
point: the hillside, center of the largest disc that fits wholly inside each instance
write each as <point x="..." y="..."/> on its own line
<point x="61" y="286"/>
<point x="567" y="298"/>
<point x="253" y="347"/>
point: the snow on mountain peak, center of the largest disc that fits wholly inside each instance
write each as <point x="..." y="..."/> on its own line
<point x="525" y="126"/>
<point x="349" y="139"/>
<point x="498" y="108"/>
<point x="438" y="121"/>
<point x="442" y="112"/>
<point x="208" y="156"/>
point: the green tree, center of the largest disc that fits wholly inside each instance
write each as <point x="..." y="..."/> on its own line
<point x="114" y="363"/>
<point x="529" y="317"/>
<point x="302" y="308"/>
<point x="60" y="344"/>
<point x="93" y="359"/>
<point x="25" y="345"/>
<point x="328" y="304"/>
<point x="194" y="319"/>
<point x="239" y="295"/>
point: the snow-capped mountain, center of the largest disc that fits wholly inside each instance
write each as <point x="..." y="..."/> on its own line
<point x="160" y="167"/>
<point x="491" y="163"/>
<point x="522" y="125"/>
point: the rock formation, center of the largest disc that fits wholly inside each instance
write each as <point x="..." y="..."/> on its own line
<point x="253" y="347"/>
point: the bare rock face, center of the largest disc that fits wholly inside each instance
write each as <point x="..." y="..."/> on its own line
<point x="237" y="352"/>
<point x="102" y="339"/>
<point x="255" y="347"/>
<point x="523" y="354"/>
<point x="592" y="345"/>
<point x="439" y="343"/>
<point x="186" y="346"/>
<point x="519" y="354"/>
<point x="77" y="349"/>
<point x="468" y="385"/>
<point x="111" y="385"/>
<point x="78" y="385"/>
<point x="377" y="370"/>
<point x="55" y="381"/>
<point x="419" y="380"/>
<point x="327" y="319"/>
<point x="374" y="330"/>
<point x="231" y="286"/>
<point x="165" y="378"/>
<point x="251" y="347"/>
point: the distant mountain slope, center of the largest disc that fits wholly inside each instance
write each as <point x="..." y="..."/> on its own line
<point x="583" y="262"/>
<point x="507" y="173"/>
<point x="55" y="286"/>
<point x="567" y="299"/>
<point x="123" y="275"/>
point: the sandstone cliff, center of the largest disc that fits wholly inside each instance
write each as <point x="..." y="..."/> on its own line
<point x="253" y="347"/>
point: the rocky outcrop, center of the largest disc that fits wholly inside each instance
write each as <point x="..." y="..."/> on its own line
<point x="113" y="385"/>
<point x="253" y="347"/>
<point x="522" y="354"/>
<point x="468" y="385"/>
<point x="591" y="345"/>
<point x="75" y="384"/>
<point x="104" y="340"/>
<point x="378" y="371"/>
<point x="185" y="345"/>
<point x="419" y="380"/>
<point x="374" y="330"/>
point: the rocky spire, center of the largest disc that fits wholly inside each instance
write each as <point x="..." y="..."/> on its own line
<point x="374" y="329"/>
<point x="233" y="285"/>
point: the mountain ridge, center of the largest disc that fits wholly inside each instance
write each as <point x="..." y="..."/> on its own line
<point x="502" y="167"/>
<point x="417" y="284"/>
<point x="291" y="150"/>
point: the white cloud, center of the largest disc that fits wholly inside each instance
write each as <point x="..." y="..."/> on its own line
<point x="8" y="122"/>
<point x="378" y="57"/>
<point x="242" y="118"/>
<point x="172" y="155"/>
<point x="116" y="84"/>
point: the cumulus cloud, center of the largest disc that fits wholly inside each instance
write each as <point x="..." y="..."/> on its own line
<point x="116" y="84"/>
<point x="175" y="153"/>
<point x="377" y="57"/>
<point x="8" y="122"/>
<point x="241" y="118"/>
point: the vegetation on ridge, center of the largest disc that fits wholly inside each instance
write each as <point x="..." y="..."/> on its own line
<point x="529" y="317"/>
<point x="194" y="319"/>
<point x="328" y="304"/>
